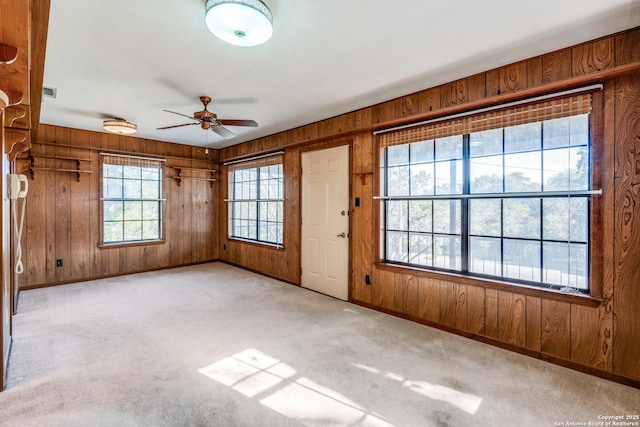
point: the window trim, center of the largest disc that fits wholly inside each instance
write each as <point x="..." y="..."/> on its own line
<point x="597" y="250"/>
<point x="257" y="162"/>
<point x="162" y="202"/>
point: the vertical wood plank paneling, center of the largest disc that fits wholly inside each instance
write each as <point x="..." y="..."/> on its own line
<point x="62" y="207"/>
<point x="429" y="300"/>
<point x="556" y="66"/>
<point x="475" y="310"/>
<point x="626" y="47"/>
<point x="406" y="294"/>
<point x="454" y="93"/>
<point x="95" y="225"/>
<point x="79" y="221"/>
<point x="533" y="323"/>
<point x="35" y="228"/>
<point x="627" y="225"/>
<point x="186" y="240"/>
<point x="382" y="289"/>
<point x="513" y="78"/>
<point x="590" y="57"/>
<point x="534" y="72"/>
<point x="591" y="336"/>
<point x="492" y="81"/>
<point x="491" y="313"/>
<point x="448" y="299"/>
<point x="511" y="318"/>
<point x="556" y="328"/>
<point x="477" y="87"/>
<point x="430" y="99"/>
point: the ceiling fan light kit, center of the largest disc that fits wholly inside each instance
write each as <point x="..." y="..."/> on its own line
<point x="239" y="22"/>
<point x="119" y="126"/>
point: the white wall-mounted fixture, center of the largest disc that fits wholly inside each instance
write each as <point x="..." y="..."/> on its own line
<point x="120" y="126"/>
<point x="239" y="22"/>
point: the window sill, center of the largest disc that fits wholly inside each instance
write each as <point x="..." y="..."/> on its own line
<point x="255" y="242"/>
<point x="550" y="294"/>
<point x="130" y="244"/>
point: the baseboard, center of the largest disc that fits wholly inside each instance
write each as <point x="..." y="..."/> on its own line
<point x="259" y="272"/>
<point x="86" y="279"/>
<point x="631" y="382"/>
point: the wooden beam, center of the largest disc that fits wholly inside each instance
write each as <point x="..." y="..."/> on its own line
<point x="39" y="30"/>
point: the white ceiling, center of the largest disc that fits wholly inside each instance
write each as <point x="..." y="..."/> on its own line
<point x="134" y="58"/>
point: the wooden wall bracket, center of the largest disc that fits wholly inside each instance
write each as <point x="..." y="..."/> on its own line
<point x="179" y="176"/>
<point x="8" y="54"/>
<point x="12" y="114"/>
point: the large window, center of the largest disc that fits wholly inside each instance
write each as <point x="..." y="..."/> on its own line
<point x="505" y="194"/>
<point x="131" y="199"/>
<point x="256" y="192"/>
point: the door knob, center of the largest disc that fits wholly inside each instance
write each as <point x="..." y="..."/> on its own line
<point x="343" y="235"/>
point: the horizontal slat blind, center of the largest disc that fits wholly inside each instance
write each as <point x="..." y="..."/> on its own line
<point x="513" y="116"/>
<point x="131" y="161"/>
<point x="256" y="163"/>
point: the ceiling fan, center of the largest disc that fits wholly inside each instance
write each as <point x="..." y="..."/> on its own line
<point x="208" y="120"/>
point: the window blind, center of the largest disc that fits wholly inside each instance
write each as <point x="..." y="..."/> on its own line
<point x="512" y="116"/>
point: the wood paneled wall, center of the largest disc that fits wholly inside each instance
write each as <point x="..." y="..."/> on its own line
<point x="604" y="339"/>
<point x="63" y="218"/>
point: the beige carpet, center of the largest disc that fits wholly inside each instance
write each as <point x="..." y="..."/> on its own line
<point x="213" y="345"/>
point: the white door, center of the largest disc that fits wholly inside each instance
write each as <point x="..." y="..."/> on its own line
<point x="325" y="221"/>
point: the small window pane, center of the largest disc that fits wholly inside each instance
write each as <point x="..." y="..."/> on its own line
<point x="151" y="230"/>
<point x="566" y="219"/>
<point x="422" y="181"/>
<point x="397" y="248"/>
<point x="485" y="217"/>
<point x="150" y="174"/>
<point x="485" y="143"/>
<point x="150" y="190"/>
<point x="113" y="211"/>
<point x="420" y="215"/>
<point x="112" y="171"/>
<point x="112" y="188"/>
<point x="447" y="252"/>
<point x="397" y="215"/>
<point x="449" y="177"/>
<point x="485" y="256"/>
<point x="422" y="151"/>
<point x="446" y="216"/>
<point x="113" y="232"/>
<point x="150" y="210"/>
<point x="398" y="155"/>
<point x="521" y="260"/>
<point x="132" y="230"/>
<point x="522" y="218"/>
<point x="131" y="172"/>
<point x="132" y="189"/>
<point x="132" y="210"/>
<point x="449" y="148"/>
<point x="522" y="172"/>
<point x="398" y="181"/>
<point x="486" y="174"/>
<point x="420" y="249"/>
<point x="566" y="264"/>
<point x="556" y="133"/>
<point x="525" y="137"/>
<point x="579" y="129"/>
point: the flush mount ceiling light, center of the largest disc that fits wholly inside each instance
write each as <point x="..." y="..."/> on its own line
<point x="120" y="126"/>
<point x="239" y="22"/>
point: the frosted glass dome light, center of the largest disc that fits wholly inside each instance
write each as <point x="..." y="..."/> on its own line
<point x="239" y="22"/>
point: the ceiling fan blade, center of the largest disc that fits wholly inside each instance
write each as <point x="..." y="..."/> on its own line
<point x="177" y="126"/>
<point x="223" y="132"/>
<point x="183" y="115"/>
<point x="231" y="122"/>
